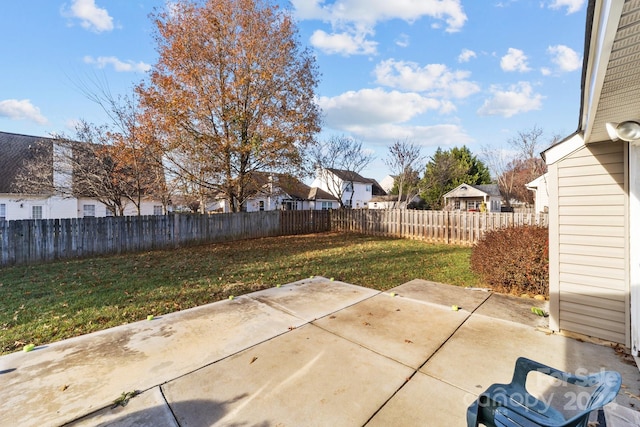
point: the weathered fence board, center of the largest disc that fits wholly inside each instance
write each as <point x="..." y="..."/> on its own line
<point x="33" y="241"/>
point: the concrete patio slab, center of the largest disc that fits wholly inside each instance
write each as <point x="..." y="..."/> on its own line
<point x="425" y="401"/>
<point x="315" y="352"/>
<point x="306" y="377"/>
<point x="515" y="309"/>
<point x="468" y="299"/>
<point x="314" y="298"/>
<point x="79" y="375"/>
<point x="402" y="329"/>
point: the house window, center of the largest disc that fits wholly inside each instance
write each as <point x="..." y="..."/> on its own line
<point x="110" y="212"/>
<point x="36" y="212"/>
<point x="3" y="211"/>
<point x="261" y="205"/>
<point x="157" y="209"/>
<point x="289" y="205"/>
<point x="348" y="187"/>
<point x="368" y="188"/>
<point x="89" y="210"/>
<point x="456" y="204"/>
<point x="327" y="205"/>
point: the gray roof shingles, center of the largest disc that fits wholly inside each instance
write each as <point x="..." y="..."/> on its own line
<point x="15" y="149"/>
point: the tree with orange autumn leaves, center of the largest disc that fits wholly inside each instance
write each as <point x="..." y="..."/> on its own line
<point x="232" y="93"/>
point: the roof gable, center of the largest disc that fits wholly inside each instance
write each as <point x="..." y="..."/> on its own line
<point x="468" y="190"/>
<point x="316" y="193"/>
<point x="350" y="176"/>
<point x="288" y="185"/>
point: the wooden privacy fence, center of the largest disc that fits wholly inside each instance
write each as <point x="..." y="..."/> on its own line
<point x="32" y="241"/>
<point x="450" y="227"/>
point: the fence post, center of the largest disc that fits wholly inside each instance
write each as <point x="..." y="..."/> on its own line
<point x="446" y="227"/>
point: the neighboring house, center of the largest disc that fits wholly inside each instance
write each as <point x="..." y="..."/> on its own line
<point x="355" y="190"/>
<point x="283" y="192"/>
<point x="391" y="202"/>
<point x="540" y="193"/>
<point x="15" y="151"/>
<point x="594" y="188"/>
<point x="474" y="198"/>
<point x="274" y="191"/>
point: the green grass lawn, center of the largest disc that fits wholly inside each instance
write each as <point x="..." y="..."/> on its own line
<point x="50" y="302"/>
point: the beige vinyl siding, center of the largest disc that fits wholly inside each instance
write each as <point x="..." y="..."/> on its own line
<point x="592" y="242"/>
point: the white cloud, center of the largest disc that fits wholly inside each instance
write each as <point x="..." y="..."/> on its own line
<point x="565" y="58"/>
<point x="118" y="65"/>
<point x="21" y="110"/>
<point x="466" y="55"/>
<point x="514" y="60"/>
<point x="545" y="71"/>
<point x="519" y="98"/>
<point x="343" y="43"/>
<point x="353" y="21"/>
<point x="435" y="79"/>
<point x="91" y="16"/>
<point x="427" y="136"/>
<point x="571" y="5"/>
<point x="370" y="12"/>
<point x="368" y="107"/>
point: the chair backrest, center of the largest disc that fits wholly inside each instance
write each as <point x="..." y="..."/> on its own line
<point x="609" y="383"/>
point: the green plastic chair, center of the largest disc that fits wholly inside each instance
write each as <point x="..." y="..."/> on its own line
<point x="511" y="405"/>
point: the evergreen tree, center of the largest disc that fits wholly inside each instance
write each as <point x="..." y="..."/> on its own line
<point x="448" y="169"/>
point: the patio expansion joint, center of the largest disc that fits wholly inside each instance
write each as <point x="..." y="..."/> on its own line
<point x="416" y="370"/>
<point x="173" y="414"/>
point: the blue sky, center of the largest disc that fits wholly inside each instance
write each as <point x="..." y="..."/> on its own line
<point x="439" y="73"/>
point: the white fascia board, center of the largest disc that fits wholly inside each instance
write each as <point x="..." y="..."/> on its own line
<point x="563" y="149"/>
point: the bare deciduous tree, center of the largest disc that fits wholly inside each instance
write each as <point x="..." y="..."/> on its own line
<point x="402" y="160"/>
<point x="514" y="170"/>
<point x="340" y="155"/>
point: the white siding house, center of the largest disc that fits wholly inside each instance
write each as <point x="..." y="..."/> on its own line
<point x="283" y="192"/>
<point x="354" y="190"/>
<point x="465" y="197"/>
<point x="273" y="191"/>
<point x="594" y="188"/>
<point x="540" y="191"/>
<point x="16" y="150"/>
